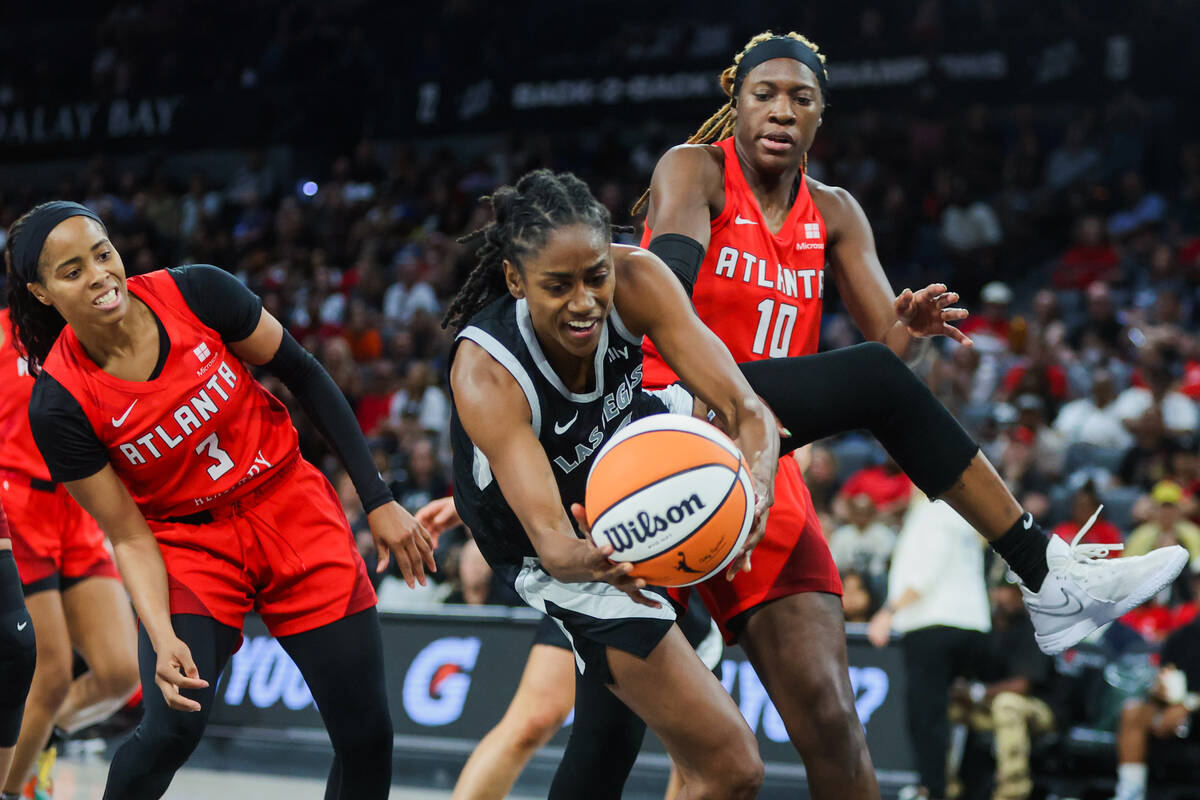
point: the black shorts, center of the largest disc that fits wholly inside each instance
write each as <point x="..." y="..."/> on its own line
<point x="587" y="618"/>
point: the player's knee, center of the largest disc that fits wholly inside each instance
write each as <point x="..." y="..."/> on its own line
<point x="117" y="679"/>
<point x="1136" y="715"/>
<point x="739" y="776"/>
<point x="18" y="661"/>
<point x="535" y="728"/>
<point x="367" y="740"/>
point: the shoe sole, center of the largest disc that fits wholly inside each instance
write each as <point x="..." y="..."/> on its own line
<point x="1054" y="643"/>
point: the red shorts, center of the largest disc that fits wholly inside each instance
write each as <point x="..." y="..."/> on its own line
<point x="284" y="551"/>
<point x="55" y="542"/>
<point x="793" y="557"/>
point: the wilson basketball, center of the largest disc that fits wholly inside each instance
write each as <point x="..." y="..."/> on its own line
<point x="672" y="494"/>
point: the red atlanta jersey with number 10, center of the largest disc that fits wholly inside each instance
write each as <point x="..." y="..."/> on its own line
<point x="201" y="434"/>
<point x="759" y="292"/>
<point x="18" y="451"/>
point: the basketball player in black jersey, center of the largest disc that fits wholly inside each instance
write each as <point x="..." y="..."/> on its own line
<point x="545" y="319"/>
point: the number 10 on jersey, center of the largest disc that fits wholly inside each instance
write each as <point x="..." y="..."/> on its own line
<point x="781" y="336"/>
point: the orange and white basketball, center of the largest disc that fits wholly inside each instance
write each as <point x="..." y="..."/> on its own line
<point x="672" y="494"/>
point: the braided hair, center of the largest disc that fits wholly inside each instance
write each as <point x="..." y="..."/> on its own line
<point x="720" y="125"/>
<point x="35" y="326"/>
<point x="524" y="217"/>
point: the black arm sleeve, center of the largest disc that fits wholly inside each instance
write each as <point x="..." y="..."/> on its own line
<point x="62" y="432"/>
<point x="682" y="254"/>
<point x="329" y="411"/>
<point x="220" y="300"/>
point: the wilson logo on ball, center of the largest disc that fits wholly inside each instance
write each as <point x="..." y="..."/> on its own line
<point x="645" y="526"/>
<point x="672" y="495"/>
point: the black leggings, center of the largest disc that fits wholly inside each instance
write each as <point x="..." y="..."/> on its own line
<point x="862" y="387"/>
<point x="866" y="386"/>
<point x="342" y="662"/>
<point x="18" y="650"/>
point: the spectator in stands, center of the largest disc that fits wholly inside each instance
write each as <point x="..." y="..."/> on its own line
<point x="864" y="544"/>
<point x="1090" y="259"/>
<point x="1102" y="329"/>
<point x="1049" y="445"/>
<point x="1179" y="413"/>
<point x="1094" y="419"/>
<point x="858" y="599"/>
<point x="1168" y="525"/>
<point x="1010" y="698"/>
<point x="938" y="601"/>
<point x="424" y="478"/>
<point x="1148" y="461"/>
<point x="1139" y="209"/>
<point x="1019" y="464"/>
<point x="1084" y="503"/>
<point x="992" y="322"/>
<point x="411" y="293"/>
<point x="422" y="398"/>
<point x="1074" y="160"/>
<point x="820" y="476"/>
<point x="886" y="485"/>
<point x="1169" y="711"/>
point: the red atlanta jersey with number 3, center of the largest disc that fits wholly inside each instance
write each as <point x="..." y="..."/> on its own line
<point x="18" y="451"/>
<point x="759" y="292"/>
<point x="201" y="434"/>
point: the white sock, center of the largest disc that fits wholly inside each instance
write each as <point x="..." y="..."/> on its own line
<point x="1131" y="777"/>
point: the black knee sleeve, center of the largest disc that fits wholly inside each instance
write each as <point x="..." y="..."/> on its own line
<point x="866" y="386"/>
<point x="605" y="739"/>
<point x="18" y="650"/>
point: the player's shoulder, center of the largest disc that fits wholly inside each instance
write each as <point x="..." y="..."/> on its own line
<point x="835" y="203"/>
<point x="705" y="162"/>
<point x="50" y="399"/>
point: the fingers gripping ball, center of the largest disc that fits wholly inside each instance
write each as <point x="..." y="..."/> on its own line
<point x="672" y="494"/>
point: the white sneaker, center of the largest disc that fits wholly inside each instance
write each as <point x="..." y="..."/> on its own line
<point x="1085" y="589"/>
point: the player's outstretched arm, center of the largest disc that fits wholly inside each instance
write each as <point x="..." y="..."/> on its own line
<point x="651" y="303"/>
<point x="394" y="529"/>
<point x="496" y="416"/>
<point x="140" y="562"/>
<point x="880" y="314"/>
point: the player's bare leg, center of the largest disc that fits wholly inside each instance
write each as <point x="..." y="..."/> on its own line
<point x="695" y="718"/>
<point x="102" y="628"/>
<point x="541" y="704"/>
<point x="797" y="645"/>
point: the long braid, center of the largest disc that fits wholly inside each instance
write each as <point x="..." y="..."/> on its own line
<point x="523" y="217"/>
<point x="720" y="125"/>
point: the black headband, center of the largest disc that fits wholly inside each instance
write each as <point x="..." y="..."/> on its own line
<point x="27" y="249"/>
<point x="780" y="47"/>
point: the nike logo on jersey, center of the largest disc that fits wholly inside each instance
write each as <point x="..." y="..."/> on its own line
<point x="738" y="219"/>
<point x="561" y="429"/>
<point x="22" y="625"/>
<point x="119" y="422"/>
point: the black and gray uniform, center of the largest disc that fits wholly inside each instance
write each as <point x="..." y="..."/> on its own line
<point x="572" y="427"/>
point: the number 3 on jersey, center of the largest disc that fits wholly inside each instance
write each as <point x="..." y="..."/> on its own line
<point x="224" y="462"/>
<point x="781" y="337"/>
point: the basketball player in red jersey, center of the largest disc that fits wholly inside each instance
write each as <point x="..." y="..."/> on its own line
<point x="71" y="588"/>
<point x="18" y="649"/>
<point x="144" y="408"/>
<point x="750" y="233"/>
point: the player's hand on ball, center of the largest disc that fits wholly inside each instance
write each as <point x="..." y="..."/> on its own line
<point x="764" y="498"/>
<point x="397" y="531"/>
<point x="929" y="312"/>
<point x="176" y="670"/>
<point x="573" y="560"/>
<point x="438" y="516"/>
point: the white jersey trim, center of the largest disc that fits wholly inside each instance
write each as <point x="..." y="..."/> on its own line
<point x="525" y="324"/>
<point x="509" y="361"/>
<point x="619" y="324"/>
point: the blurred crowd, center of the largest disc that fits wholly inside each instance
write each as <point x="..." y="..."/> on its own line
<point x="1072" y="233"/>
